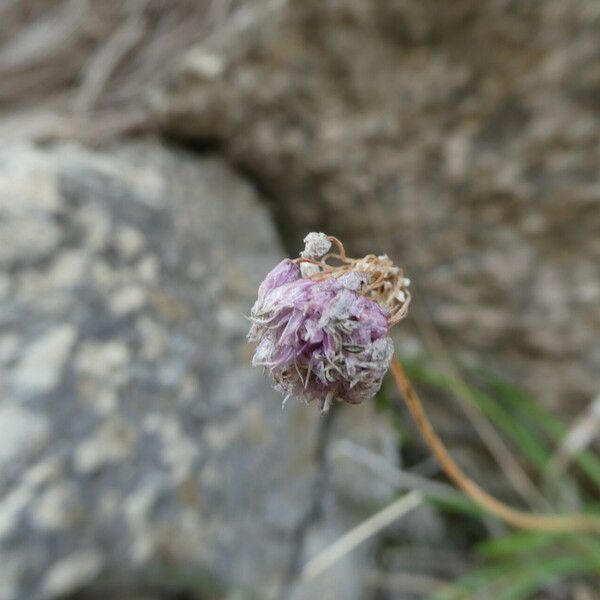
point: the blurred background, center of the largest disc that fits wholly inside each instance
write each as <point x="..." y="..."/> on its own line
<point x="157" y="158"/>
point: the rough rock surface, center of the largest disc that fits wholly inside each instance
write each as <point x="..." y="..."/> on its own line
<point x="138" y="448"/>
<point x="462" y="137"/>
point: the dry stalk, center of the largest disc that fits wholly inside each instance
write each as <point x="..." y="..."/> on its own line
<point x="524" y="520"/>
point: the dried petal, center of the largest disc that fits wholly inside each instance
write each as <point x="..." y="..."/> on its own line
<point x="316" y="245"/>
<point x="309" y="269"/>
<point x="320" y="340"/>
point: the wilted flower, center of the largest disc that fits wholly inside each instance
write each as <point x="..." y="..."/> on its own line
<point x="320" y="330"/>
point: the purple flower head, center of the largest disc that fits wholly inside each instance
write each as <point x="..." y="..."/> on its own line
<point x="320" y="337"/>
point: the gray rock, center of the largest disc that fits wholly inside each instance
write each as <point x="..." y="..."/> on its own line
<point x="41" y="364"/>
<point x="349" y="493"/>
<point x="71" y="573"/>
<point x="22" y="431"/>
<point x="138" y="448"/>
<point x="461" y="137"/>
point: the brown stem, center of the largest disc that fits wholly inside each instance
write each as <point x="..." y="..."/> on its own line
<point x="524" y="520"/>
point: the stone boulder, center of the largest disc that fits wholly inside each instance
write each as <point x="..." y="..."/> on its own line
<point x="139" y="451"/>
<point x="460" y="137"/>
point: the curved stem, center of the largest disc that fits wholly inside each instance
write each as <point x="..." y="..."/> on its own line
<point x="521" y="519"/>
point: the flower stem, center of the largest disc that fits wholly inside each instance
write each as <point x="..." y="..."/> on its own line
<point x="517" y="518"/>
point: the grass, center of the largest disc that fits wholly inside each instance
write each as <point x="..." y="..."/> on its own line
<point x="519" y="564"/>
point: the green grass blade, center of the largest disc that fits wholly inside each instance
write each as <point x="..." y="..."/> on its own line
<point x="518" y="543"/>
<point x="526" y="407"/>
<point x="466" y="586"/>
<point x="523" y="437"/>
<point x="515" y="580"/>
<point x="533" y="578"/>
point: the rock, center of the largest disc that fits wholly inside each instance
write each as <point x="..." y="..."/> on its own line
<point x="353" y="432"/>
<point x="41" y="365"/>
<point x="23" y="431"/>
<point x="445" y="134"/>
<point x="139" y="449"/>
<point x="349" y="494"/>
<point x="68" y="574"/>
<point x="57" y="507"/>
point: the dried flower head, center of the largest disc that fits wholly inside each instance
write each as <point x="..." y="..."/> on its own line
<point x="321" y="322"/>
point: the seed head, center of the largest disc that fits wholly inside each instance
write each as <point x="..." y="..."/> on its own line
<point x="321" y="331"/>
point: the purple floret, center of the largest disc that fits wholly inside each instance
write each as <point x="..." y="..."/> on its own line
<point x="320" y="340"/>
